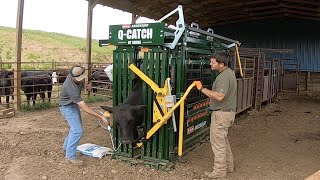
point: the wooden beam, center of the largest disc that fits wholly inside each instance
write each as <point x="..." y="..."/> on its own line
<point x="243" y="17"/>
<point x="304" y="8"/>
<point x="124" y="5"/>
<point x="303" y="2"/>
<point x="94" y="3"/>
<point x="240" y="11"/>
<point x="238" y="5"/>
<point x="17" y="65"/>
<point x="134" y="18"/>
<point x="250" y="19"/>
<point x="302" y="13"/>
<point x="302" y="17"/>
<point x="271" y="7"/>
<point x="243" y="20"/>
<point x="89" y="41"/>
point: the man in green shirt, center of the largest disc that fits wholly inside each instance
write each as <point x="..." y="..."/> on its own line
<point x="223" y="98"/>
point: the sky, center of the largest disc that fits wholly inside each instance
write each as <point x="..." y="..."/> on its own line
<point x="64" y="16"/>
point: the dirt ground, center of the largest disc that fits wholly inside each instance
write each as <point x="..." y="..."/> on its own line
<point x="280" y="142"/>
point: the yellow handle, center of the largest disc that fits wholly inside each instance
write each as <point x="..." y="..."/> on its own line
<point x="146" y="79"/>
<point x="238" y="57"/>
<point x="165" y="118"/>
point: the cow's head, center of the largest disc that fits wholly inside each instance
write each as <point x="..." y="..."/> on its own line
<point x="95" y="75"/>
<point x="5" y="77"/>
<point x="127" y="117"/>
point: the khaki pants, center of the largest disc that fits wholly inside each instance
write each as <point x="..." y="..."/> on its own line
<point x="220" y="123"/>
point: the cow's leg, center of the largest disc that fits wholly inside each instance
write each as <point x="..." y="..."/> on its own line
<point x="34" y="98"/>
<point x="94" y="91"/>
<point x="49" y="96"/>
<point x="94" y="88"/>
<point x="49" y="92"/>
<point x="28" y="98"/>
<point x="11" y="93"/>
<point x="7" y="101"/>
<point x="42" y="95"/>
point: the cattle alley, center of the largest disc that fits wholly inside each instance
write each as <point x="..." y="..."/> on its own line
<point x="280" y="142"/>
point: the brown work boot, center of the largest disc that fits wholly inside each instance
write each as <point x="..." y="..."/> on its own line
<point x="76" y="162"/>
<point x="215" y="175"/>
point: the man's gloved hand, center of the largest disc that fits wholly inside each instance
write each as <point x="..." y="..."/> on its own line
<point x="104" y="120"/>
<point x="198" y="85"/>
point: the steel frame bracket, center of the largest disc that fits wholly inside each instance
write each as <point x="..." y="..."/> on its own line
<point x="180" y="25"/>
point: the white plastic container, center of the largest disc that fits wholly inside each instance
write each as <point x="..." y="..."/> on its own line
<point x="54" y="78"/>
<point x="108" y="70"/>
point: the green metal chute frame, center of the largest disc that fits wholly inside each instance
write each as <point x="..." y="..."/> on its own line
<point x="184" y="59"/>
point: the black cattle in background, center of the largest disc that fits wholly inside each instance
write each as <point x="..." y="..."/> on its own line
<point x="99" y="80"/>
<point x="129" y="114"/>
<point x="36" y="82"/>
<point x="61" y="75"/>
<point x="6" y="85"/>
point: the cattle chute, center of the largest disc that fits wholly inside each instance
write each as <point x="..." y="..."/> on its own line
<point x="181" y="54"/>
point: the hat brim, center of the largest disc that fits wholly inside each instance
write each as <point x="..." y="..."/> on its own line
<point x="80" y="78"/>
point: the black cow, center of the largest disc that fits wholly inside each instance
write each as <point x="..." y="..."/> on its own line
<point x="61" y="75"/>
<point x="99" y="79"/>
<point x="6" y="85"/>
<point x="34" y="83"/>
<point x="129" y="114"/>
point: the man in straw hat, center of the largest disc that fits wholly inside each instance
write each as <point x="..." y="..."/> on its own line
<point x="70" y="104"/>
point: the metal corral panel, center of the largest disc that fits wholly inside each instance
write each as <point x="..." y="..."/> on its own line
<point x="301" y="36"/>
<point x="307" y="52"/>
<point x="265" y="88"/>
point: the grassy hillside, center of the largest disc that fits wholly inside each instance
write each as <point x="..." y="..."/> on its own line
<point x="39" y="46"/>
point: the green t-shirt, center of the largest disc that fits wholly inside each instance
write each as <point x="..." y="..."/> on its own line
<point x="226" y="84"/>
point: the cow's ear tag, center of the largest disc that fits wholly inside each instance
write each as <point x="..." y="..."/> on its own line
<point x="106" y="114"/>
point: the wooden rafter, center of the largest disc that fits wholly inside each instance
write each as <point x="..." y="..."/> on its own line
<point x="302" y="17"/>
<point x="207" y="12"/>
<point x="300" y="8"/>
<point x="304" y="2"/>
<point x="303" y="13"/>
<point x="241" y="17"/>
<point x="249" y="19"/>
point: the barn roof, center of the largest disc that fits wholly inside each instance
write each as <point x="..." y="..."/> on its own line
<point x="210" y="13"/>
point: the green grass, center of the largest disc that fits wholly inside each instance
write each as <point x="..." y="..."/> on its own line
<point x="71" y="41"/>
<point x="44" y="50"/>
<point x="42" y="47"/>
<point x="93" y="99"/>
<point x="39" y="105"/>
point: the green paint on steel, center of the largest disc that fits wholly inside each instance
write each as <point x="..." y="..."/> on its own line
<point x="187" y="62"/>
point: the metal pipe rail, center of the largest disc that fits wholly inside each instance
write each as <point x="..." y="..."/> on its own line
<point x="163" y="119"/>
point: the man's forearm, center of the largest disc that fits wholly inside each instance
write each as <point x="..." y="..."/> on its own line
<point x="88" y="110"/>
<point x="213" y="94"/>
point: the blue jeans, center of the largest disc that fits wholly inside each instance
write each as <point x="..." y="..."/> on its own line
<point x="73" y="116"/>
